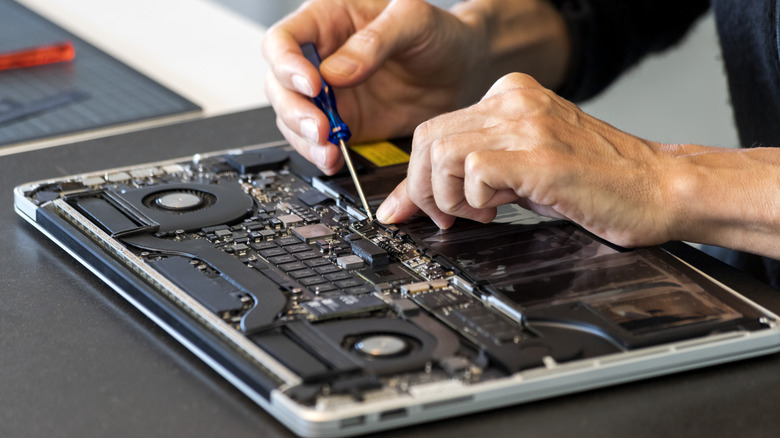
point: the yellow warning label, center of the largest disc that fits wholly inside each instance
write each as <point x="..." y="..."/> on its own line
<point x="382" y="153"/>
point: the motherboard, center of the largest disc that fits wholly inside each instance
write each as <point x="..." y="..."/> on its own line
<point x="279" y="263"/>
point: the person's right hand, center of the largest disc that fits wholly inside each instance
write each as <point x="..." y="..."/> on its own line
<point x="392" y="65"/>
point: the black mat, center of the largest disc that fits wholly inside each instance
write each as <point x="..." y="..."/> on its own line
<point x="93" y="91"/>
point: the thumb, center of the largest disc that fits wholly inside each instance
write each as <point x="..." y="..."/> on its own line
<point x="397" y="207"/>
<point x="395" y="29"/>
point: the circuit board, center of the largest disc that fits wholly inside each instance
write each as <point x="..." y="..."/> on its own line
<point x="278" y="264"/>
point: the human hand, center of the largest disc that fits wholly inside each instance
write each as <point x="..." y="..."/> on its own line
<point x="523" y="143"/>
<point x="392" y="65"/>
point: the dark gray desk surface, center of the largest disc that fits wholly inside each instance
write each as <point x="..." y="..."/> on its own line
<point x="76" y="360"/>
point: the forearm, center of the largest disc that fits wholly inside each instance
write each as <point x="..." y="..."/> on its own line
<point x="526" y="36"/>
<point x="728" y="198"/>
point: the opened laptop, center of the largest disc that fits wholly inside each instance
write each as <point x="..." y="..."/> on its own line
<point x="271" y="273"/>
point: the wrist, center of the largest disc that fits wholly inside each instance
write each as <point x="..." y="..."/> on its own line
<point x="528" y="36"/>
<point x="729" y="198"/>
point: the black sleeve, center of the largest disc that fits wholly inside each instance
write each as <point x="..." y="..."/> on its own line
<point x="609" y="36"/>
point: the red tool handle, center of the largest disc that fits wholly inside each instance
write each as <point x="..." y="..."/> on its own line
<point x="49" y="54"/>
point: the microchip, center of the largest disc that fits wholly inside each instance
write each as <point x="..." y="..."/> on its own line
<point x="313" y="197"/>
<point x="441" y="298"/>
<point x="353" y="237"/>
<point x="489" y="324"/>
<point x="350" y="262"/>
<point x="267" y="234"/>
<point x="368" y="251"/>
<point x="387" y="274"/>
<point x="342" y="305"/>
<point x="239" y="249"/>
<point x="290" y="220"/>
<point x="313" y="233"/>
<point x="223" y="233"/>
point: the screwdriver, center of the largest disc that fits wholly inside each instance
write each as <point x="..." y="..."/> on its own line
<point x="339" y="132"/>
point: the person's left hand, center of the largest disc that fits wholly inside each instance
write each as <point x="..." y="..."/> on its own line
<point x="523" y="143"/>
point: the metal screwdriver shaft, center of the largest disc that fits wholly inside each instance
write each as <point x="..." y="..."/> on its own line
<point x="339" y="132"/>
<point x="355" y="179"/>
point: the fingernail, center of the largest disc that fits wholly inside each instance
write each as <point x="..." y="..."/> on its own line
<point x="318" y="154"/>
<point x="340" y="65"/>
<point x="310" y="130"/>
<point x="302" y="85"/>
<point x="386" y="210"/>
<point x="442" y="225"/>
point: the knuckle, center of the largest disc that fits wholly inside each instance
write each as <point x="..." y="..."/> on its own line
<point x="572" y="114"/>
<point x="420" y="8"/>
<point x="473" y="165"/>
<point x="533" y="100"/>
<point x="368" y="39"/>
<point x="272" y="32"/>
<point x="517" y="79"/>
<point x="449" y="208"/>
<point x="446" y="205"/>
<point x="517" y="100"/>
<point x="422" y="130"/>
<point x="543" y="99"/>
<point x="439" y="151"/>
<point x="478" y="202"/>
<point x="475" y="177"/>
<point x="451" y="205"/>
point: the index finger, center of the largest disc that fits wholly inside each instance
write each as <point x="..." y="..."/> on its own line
<point x="397" y="207"/>
<point x="282" y="49"/>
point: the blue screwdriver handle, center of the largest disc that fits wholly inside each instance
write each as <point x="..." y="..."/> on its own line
<point x="326" y="101"/>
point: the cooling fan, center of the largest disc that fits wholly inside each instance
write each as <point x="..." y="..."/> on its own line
<point x="190" y="206"/>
